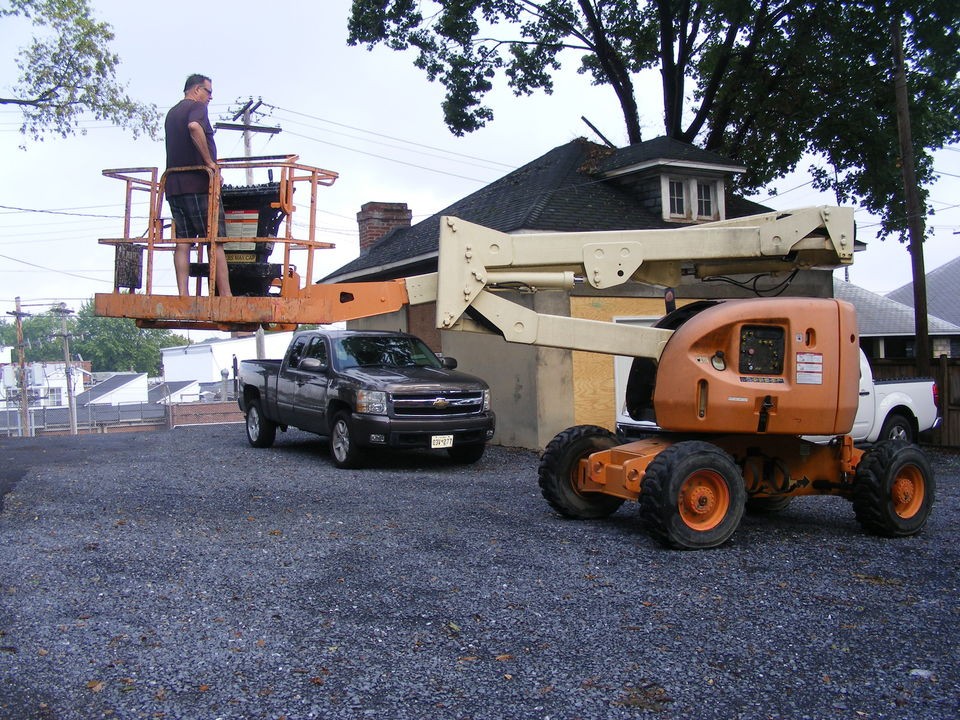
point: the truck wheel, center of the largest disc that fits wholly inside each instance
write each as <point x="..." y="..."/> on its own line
<point x="893" y="489"/>
<point x="692" y="496"/>
<point x="558" y="470"/>
<point x="896" y="427"/>
<point x="767" y="505"/>
<point x="343" y="449"/>
<point x="260" y="432"/>
<point x="466" y="454"/>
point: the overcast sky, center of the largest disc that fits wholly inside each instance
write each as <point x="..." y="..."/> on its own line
<point x="371" y="117"/>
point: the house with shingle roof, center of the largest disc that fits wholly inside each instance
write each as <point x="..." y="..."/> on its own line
<point x="577" y="187"/>
<point x="943" y="300"/>
<point x="116" y="389"/>
<point x="887" y="328"/>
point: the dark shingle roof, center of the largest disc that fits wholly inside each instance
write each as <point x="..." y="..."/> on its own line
<point x="879" y="315"/>
<point x="560" y="191"/>
<point x="112" y="383"/>
<point x="664" y="149"/>
<point x="555" y="192"/>
<point x="163" y="390"/>
<point x="943" y="300"/>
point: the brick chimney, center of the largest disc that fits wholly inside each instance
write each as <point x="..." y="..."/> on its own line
<point x="376" y="219"/>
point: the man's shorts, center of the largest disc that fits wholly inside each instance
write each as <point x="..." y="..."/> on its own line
<point x="190" y="216"/>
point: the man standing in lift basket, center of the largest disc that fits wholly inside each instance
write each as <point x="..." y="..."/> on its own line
<point x="189" y="141"/>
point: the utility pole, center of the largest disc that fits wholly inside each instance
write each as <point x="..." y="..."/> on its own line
<point x="62" y="311"/>
<point x="915" y="214"/>
<point x="25" y="429"/>
<point x="246" y="112"/>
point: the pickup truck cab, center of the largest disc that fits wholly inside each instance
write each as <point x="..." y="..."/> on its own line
<point x="367" y="390"/>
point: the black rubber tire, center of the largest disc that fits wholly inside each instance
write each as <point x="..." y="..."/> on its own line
<point x="896" y="427"/>
<point x="558" y="471"/>
<point x="466" y="454"/>
<point x="893" y="489"/>
<point x="768" y="505"/>
<point x="260" y="432"/>
<point x="692" y="496"/>
<point x="343" y="447"/>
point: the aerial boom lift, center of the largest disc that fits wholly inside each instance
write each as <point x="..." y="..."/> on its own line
<point x="733" y="386"/>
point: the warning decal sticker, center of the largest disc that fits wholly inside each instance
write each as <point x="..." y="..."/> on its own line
<point x="809" y="368"/>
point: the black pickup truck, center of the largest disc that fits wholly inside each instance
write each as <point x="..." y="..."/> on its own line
<point x="364" y="390"/>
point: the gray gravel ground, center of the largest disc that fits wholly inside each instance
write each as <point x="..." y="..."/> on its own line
<point x="186" y="575"/>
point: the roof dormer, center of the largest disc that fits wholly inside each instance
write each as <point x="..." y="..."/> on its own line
<point x="682" y="183"/>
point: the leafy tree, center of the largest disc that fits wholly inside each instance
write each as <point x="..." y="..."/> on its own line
<point x="67" y="70"/>
<point x="117" y="344"/>
<point x="39" y="337"/>
<point x="763" y="82"/>
<point x="110" y="344"/>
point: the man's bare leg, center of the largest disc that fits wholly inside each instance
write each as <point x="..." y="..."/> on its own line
<point x="223" y="273"/>
<point x="181" y="266"/>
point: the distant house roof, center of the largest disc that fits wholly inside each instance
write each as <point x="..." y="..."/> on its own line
<point x="879" y="315"/>
<point x="101" y="390"/>
<point x="943" y="300"/>
<point x="561" y="191"/>
<point x="161" y="391"/>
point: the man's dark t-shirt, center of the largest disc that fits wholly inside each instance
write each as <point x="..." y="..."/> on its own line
<point x="181" y="152"/>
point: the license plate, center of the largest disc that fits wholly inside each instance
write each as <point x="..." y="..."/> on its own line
<point x="441" y="441"/>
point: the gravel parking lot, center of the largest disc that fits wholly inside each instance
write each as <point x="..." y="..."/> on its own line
<point x="183" y="574"/>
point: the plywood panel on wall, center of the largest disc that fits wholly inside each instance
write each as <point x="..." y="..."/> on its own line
<point x="594" y="397"/>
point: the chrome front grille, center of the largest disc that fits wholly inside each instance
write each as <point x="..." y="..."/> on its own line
<point x="442" y="404"/>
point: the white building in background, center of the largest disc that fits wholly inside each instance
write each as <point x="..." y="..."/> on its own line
<point x="205" y="361"/>
<point x="46" y="383"/>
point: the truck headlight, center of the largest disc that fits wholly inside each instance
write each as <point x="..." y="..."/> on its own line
<point x="486" y="400"/>
<point x="372" y="402"/>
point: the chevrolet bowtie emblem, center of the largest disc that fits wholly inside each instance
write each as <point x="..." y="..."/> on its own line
<point x="441" y="403"/>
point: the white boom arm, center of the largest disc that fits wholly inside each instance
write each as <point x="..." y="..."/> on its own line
<point x="475" y="261"/>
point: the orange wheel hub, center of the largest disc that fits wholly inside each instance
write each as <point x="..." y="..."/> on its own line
<point x="907" y="491"/>
<point x="704" y="500"/>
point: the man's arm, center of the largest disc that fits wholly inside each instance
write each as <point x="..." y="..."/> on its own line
<point x="199" y="138"/>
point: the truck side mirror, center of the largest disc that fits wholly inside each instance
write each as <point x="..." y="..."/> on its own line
<point x="448" y="363"/>
<point x="312" y="365"/>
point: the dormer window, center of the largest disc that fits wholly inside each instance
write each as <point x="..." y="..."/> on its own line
<point x="675" y="180"/>
<point x="692" y="199"/>
<point x="705" y="199"/>
<point x="678" y="208"/>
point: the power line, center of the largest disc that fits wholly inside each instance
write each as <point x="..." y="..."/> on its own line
<point x="388" y="159"/>
<point x="390" y="137"/>
<point x="48" y="269"/>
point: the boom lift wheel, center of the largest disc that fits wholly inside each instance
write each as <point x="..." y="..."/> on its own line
<point x="559" y="468"/>
<point x="692" y="496"/>
<point x="260" y="432"/>
<point x="893" y="489"/>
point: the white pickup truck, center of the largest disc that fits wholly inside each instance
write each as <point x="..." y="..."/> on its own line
<point x="894" y="409"/>
<point x="889" y="410"/>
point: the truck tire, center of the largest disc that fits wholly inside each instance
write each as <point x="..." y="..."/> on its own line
<point x="896" y="427"/>
<point x="893" y="489"/>
<point x="260" y="432"/>
<point x="692" y="496"/>
<point x="558" y="472"/>
<point x="466" y="454"/>
<point x="343" y="449"/>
